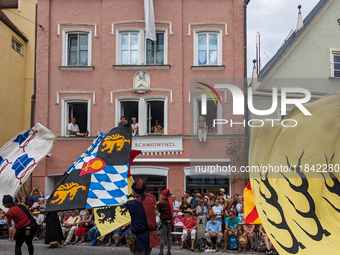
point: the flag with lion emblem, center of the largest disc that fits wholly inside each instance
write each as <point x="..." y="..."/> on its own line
<point x="110" y="218"/>
<point x="98" y="177"/>
<point x="295" y="179"/>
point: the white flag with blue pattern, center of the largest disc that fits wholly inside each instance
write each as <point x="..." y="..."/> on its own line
<point x="20" y="155"/>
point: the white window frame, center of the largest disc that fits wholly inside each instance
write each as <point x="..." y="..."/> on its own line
<point x="16" y="43"/>
<point x="196" y="116"/>
<point x="199" y="31"/>
<point x="64" y="112"/>
<point x="68" y="31"/>
<point x="141" y="44"/>
<point x="165" y="52"/>
<point x="333" y="52"/>
<point x="118" y="45"/>
<point x="142" y="111"/>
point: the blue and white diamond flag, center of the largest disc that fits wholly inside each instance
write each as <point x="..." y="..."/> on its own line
<point x="98" y="177"/>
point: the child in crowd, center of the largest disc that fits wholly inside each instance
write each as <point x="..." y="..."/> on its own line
<point x="178" y="226"/>
<point x="241" y="214"/>
<point x="218" y="210"/>
<point x="3" y="223"/>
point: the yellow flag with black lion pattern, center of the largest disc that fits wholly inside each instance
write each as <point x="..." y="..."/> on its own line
<point x="295" y="179"/>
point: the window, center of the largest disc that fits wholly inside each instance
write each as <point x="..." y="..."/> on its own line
<point x="208" y="49"/>
<point x="154" y="184"/>
<point x="129" y="109"/>
<point x="129" y="48"/>
<point x="214" y="111"/>
<point x="79" y="111"/>
<point x="155" y="117"/>
<point x="206" y="184"/>
<point x="78" y="50"/>
<point x="75" y="107"/>
<point x="155" y="50"/>
<point x="336" y="65"/>
<point x="16" y="46"/>
<point x="134" y="49"/>
<point x="149" y="112"/>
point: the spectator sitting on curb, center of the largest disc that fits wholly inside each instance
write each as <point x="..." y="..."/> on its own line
<point x="213" y="229"/>
<point x="231" y="228"/>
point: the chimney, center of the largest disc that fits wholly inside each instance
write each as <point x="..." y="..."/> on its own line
<point x="300" y="20"/>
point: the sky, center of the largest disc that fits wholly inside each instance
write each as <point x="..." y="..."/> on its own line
<point x="274" y="19"/>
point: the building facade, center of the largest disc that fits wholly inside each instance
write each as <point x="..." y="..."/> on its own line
<point x="17" y="65"/>
<point x="309" y="59"/>
<point x="94" y="64"/>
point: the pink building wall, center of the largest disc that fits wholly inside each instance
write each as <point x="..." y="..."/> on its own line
<point x="105" y="78"/>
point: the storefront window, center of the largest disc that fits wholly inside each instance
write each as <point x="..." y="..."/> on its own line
<point x="154" y="184"/>
<point x="205" y="185"/>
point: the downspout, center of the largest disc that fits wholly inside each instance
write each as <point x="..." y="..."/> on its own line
<point x="246" y="112"/>
<point x="35" y="62"/>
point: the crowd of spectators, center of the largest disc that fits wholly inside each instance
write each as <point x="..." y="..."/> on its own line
<point x="224" y="217"/>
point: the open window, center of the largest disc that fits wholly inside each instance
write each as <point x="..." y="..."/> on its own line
<point x="78" y="110"/>
<point x="213" y="112"/>
<point x="155" y="116"/>
<point x="75" y="107"/>
<point x="129" y="109"/>
<point x="146" y="111"/>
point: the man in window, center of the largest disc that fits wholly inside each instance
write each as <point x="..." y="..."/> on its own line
<point x="73" y="129"/>
<point x="122" y="122"/>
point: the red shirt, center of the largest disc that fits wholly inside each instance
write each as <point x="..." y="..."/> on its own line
<point x="18" y="216"/>
<point x="232" y="207"/>
<point x="189" y="224"/>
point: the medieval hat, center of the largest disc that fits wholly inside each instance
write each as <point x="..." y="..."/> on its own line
<point x="7" y="199"/>
<point x="139" y="186"/>
<point x="166" y="192"/>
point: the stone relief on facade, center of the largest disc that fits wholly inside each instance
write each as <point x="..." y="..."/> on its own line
<point x="141" y="82"/>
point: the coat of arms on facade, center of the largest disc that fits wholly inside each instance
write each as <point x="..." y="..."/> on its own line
<point x="141" y="82"/>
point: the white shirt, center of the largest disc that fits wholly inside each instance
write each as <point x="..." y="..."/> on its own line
<point x="39" y="218"/>
<point x="240" y="216"/>
<point x="73" y="127"/>
<point x="217" y="210"/>
<point x="133" y="126"/>
<point x="238" y="208"/>
<point x="176" y="206"/>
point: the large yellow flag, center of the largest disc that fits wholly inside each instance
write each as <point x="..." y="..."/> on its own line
<point x="295" y="178"/>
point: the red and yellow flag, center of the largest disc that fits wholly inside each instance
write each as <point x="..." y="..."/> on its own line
<point x="250" y="213"/>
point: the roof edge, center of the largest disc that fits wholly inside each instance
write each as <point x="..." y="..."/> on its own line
<point x="10" y="24"/>
<point x="279" y="56"/>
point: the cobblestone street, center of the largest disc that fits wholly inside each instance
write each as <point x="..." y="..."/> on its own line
<point x="7" y="248"/>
